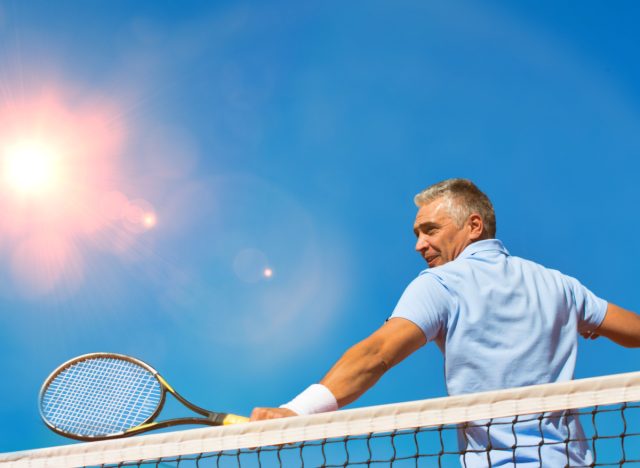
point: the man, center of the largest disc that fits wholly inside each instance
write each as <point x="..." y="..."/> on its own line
<point x="501" y="322"/>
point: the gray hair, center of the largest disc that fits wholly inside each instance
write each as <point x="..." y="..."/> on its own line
<point x="463" y="198"/>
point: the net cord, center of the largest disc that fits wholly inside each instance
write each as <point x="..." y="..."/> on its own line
<point x="385" y="418"/>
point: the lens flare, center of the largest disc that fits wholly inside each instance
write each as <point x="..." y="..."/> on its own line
<point x="139" y="216"/>
<point x="149" y="220"/>
<point x="250" y="265"/>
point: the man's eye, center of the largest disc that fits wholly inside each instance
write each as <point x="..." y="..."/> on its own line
<point x="426" y="230"/>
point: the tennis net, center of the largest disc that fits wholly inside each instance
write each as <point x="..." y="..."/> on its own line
<point x="588" y="422"/>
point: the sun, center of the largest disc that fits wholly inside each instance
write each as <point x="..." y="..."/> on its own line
<point x="30" y="167"/>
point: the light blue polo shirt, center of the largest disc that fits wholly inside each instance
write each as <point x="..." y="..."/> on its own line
<point x="502" y="322"/>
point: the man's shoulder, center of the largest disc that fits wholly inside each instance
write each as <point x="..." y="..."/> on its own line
<point x="533" y="265"/>
<point x="543" y="276"/>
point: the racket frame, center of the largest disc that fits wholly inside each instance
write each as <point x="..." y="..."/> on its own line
<point x="210" y="418"/>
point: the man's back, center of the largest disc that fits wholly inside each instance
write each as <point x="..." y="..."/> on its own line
<point x="503" y="322"/>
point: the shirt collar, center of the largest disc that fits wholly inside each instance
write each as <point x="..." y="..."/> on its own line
<point x="483" y="246"/>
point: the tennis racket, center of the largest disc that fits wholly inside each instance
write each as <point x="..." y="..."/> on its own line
<point x="103" y="396"/>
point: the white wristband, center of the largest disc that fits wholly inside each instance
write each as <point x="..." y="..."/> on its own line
<point x="315" y="399"/>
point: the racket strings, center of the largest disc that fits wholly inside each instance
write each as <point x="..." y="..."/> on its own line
<point x="101" y="396"/>
<point x="122" y="393"/>
<point x="126" y="398"/>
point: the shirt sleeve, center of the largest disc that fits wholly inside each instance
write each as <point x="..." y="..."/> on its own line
<point x="590" y="308"/>
<point x="426" y="302"/>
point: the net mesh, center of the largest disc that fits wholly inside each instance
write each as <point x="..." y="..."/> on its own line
<point x="590" y="422"/>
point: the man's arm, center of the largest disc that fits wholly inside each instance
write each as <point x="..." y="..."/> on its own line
<point x="363" y="364"/>
<point x="621" y="326"/>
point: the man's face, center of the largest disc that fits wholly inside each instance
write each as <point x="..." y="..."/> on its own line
<point x="440" y="240"/>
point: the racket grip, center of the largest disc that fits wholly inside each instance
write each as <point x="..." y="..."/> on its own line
<point x="234" y="419"/>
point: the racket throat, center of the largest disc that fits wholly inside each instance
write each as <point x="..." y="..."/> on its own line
<point x="217" y="418"/>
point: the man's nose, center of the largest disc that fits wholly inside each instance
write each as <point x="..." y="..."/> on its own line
<point x="421" y="244"/>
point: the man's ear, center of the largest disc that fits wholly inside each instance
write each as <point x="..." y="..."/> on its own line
<point x="476" y="226"/>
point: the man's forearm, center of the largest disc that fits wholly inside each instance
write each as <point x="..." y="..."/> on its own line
<point x="621" y="326"/>
<point x="355" y="372"/>
<point x="363" y="364"/>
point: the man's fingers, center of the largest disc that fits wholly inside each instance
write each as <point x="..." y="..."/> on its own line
<point x="259" y="414"/>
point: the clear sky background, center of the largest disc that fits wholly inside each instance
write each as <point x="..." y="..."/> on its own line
<point x="200" y="146"/>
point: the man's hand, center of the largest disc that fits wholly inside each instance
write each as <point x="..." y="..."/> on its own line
<point x="258" y="414"/>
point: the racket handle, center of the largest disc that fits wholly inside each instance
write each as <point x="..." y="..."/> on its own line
<point x="224" y="419"/>
<point x="234" y="419"/>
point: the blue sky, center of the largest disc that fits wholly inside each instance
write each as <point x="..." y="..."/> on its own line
<point x="292" y="137"/>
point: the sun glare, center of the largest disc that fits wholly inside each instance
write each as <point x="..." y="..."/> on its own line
<point x="58" y="164"/>
<point x="30" y="167"/>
